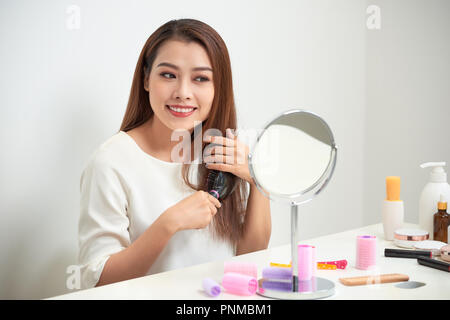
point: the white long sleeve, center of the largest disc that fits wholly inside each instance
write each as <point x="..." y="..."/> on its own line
<point x="103" y="224"/>
<point x="123" y="191"/>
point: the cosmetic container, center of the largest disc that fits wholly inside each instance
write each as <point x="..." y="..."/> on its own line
<point x="392" y="208"/>
<point x="441" y="221"/>
<point x="437" y="185"/>
<point x="445" y="253"/>
<point x="407" y="238"/>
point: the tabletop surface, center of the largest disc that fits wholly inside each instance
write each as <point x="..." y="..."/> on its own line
<point x="186" y="283"/>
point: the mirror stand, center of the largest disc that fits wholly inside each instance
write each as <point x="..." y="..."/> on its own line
<point x="315" y="288"/>
<point x="293" y="160"/>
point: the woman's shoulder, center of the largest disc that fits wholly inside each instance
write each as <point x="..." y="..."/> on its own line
<point x="111" y="151"/>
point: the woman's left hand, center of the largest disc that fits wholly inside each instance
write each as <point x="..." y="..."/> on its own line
<point x="230" y="155"/>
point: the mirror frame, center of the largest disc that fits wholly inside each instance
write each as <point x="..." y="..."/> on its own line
<point x="309" y="193"/>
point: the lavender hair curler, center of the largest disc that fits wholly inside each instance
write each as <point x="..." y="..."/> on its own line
<point x="277" y="273"/>
<point x="211" y="287"/>
<point x="277" y="285"/>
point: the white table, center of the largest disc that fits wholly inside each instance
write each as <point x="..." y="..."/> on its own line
<point x="186" y="283"/>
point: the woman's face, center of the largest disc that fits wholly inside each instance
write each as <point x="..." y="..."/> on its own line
<point x="180" y="84"/>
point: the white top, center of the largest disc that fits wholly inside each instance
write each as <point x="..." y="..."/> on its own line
<point x="123" y="191"/>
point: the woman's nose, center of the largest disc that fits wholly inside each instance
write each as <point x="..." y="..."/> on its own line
<point x="183" y="89"/>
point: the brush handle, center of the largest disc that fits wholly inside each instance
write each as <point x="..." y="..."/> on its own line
<point x="382" y="278"/>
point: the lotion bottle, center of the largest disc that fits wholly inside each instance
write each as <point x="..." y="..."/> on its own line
<point x="431" y="193"/>
<point x="392" y="208"/>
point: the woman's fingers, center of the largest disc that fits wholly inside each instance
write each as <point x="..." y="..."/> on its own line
<point x="220" y="159"/>
<point x="214" y="201"/>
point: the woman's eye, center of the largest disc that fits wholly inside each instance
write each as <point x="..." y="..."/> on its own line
<point x="165" y="73"/>
<point x="168" y="75"/>
<point x="203" y="79"/>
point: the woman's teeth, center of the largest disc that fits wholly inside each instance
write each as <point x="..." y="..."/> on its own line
<point x="183" y="110"/>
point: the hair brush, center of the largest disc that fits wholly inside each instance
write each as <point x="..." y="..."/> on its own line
<point x="220" y="184"/>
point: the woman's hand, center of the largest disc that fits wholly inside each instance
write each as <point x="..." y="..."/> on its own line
<point x="193" y="212"/>
<point x="231" y="155"/>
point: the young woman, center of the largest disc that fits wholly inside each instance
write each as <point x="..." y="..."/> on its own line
<point x="145" y="211"/>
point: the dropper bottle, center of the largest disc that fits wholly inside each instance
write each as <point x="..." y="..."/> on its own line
<point x="441" y="221"/>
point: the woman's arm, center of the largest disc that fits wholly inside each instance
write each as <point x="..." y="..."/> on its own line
<point x="193" y="212"/>
<point x="257" y="223"/>
<point x="134" y="261"/>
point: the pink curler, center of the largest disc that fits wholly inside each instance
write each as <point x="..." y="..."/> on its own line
<point x="366" y="252"/>
<point x="340" y="264"/>
<point x="314" y="261"/>
<point x="305" y="262"/>
<point x="239" y="284"/>
<point x="211" y="287"/>
<point x="307" y="285"/>
<point x="246" y="268"/>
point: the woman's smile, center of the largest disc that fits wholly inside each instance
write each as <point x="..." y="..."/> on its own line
<point x="181" y="111"/>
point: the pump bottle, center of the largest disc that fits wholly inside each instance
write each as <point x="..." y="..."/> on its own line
<point x="431" y="193"/>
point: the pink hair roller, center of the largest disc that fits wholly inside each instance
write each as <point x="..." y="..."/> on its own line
<point x="246" y="268"/>
<point x="366" y="252"/>
<point x="314" y="261"/>
<point x="307" y="285"/>
<point x="340" y="264"/>
<point x="239" y="284"/>
<point x="305" y="262"/>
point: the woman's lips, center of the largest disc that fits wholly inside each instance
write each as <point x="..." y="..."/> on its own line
<point x="179" y="114"/>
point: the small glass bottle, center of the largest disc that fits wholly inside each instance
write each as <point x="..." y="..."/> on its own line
<point x="441" y="221"/>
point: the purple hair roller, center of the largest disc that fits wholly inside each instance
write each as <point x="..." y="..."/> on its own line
<point x="277" y="285"/>
<point x="239" y="284"/>
<point x="277" y="273"/>
<point x="211" y="287"/>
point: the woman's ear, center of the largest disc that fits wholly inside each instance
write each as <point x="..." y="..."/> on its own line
<point x="146" y="84"/>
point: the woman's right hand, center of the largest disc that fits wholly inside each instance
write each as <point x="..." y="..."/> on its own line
<point x="193" y="212"/>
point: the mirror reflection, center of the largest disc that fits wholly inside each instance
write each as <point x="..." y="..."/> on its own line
<point x="292" y="154"/>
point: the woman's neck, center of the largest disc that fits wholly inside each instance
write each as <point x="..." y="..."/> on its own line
<point x="159" y="138"/>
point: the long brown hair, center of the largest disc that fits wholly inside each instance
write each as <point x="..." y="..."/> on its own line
<point x="228" y="220"/>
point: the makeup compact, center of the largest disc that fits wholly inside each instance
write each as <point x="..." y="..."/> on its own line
<point x="430" y="245"/>
<point x="445" y="253"/>
<point x="407" y="238"/>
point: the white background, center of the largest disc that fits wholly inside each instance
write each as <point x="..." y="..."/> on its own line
<point x="385" y="94"/>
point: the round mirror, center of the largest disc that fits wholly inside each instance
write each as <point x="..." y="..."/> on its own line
<point x="293" y="160"/>
<point x="294" y="157"/>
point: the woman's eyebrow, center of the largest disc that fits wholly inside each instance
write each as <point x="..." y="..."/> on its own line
<point x="166" y="64"/>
